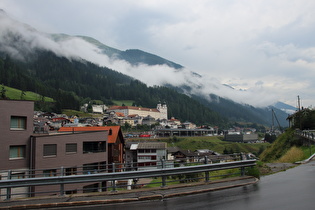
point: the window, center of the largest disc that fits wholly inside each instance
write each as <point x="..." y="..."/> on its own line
<point x="150" y="164"/>
<point x="18" y="123"/>
<point x="147" y="151"/>
<point x="71" y="148"/>
<point x="71" y="192"/>
<point x="102" y="166"/>
<point x="71" y="171"/>
<point x="144" y="158"/>
<point x="94" y="146"/>
<point x="50" y="150"/>
<point x="146" y="164"/>
<point x="90" y="168"/>
<point x="17" y="152"/>
<point x="147" y="157"/>
<point x="50" y="172"/>
<point x="18" y="176"/>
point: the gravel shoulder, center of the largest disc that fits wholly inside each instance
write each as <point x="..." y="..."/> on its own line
<point x="277" y="167"/>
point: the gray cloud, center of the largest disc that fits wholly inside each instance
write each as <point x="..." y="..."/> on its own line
<point x="264" y="47"/>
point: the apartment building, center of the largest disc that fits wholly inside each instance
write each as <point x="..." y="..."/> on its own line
<point x="146" y="155"/>
<point x="27" y="154"/>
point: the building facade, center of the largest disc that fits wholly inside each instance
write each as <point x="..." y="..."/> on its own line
<point x="69" y="154"/>
<point x="116" y="141"/>
<point x="16" y="127"/>
<point x="243" y="138"/>
<point x="157" y="113"/>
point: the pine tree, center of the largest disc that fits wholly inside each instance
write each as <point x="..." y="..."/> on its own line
<point x="22" y="95"/>
<point x="3" y="92"/>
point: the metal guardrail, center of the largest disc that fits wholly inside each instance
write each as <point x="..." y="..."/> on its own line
<point x="100" y="177"/>
<point x="309" y="139"/>
<point x="309" y="134"/>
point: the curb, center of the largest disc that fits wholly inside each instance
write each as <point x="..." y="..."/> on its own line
<point x="209" y="190"/>
<point x="141" y="198"/>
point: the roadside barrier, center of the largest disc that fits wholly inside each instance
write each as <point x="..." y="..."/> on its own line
<point x="113" y="177"/>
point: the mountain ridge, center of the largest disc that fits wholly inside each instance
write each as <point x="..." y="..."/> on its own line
<point x="133" y="56"/>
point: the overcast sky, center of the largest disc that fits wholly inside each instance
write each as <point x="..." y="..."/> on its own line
<point x="262" y="45"/>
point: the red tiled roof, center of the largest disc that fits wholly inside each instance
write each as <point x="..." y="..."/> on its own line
<point x="174" y="119"/>
<point x="120" y="114"/>
<point x="114" y="107"/>
<point x="58" y="118"/>
<point x="111" y="138"/>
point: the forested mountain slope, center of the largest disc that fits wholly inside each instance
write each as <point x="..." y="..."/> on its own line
<point x="69" y="82"/>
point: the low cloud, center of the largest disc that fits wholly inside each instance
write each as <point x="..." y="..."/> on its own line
<point x="237" y="43"/>
<point x="19" y="39"/>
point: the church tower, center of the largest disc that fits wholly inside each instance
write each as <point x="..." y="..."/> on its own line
<point x="162" y="109"/>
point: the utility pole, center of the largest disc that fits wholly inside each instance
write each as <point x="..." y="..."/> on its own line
<point x="299" y="105"/>
<point x="299" y="114"/>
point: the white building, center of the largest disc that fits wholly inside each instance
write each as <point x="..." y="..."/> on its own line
<point x="147" y="155"/>
<point x="99" y="108"/>
<point x="157" y="113"/>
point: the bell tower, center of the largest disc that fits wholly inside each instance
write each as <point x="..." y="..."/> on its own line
<point x="162" y="109"/>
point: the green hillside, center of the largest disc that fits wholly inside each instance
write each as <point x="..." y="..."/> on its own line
<point x="286" y="148"/>
<point x="15" y="94"/>
<point x="216" y="144"/>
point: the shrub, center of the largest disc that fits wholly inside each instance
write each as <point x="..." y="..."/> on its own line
<point x="252" y="171"/>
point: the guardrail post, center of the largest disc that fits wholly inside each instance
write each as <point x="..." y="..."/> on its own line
<point x="62" y="185"/>
<point x="114" y="181"/>
<point x="163" y="177"/>
<point x="242" y="168"/>
<point x="207" y="176"/>
<point x="242" y="171"/>
<point x="9" y="188"/>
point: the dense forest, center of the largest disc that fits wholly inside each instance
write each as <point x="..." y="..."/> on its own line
<point x="71" y="82"/>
